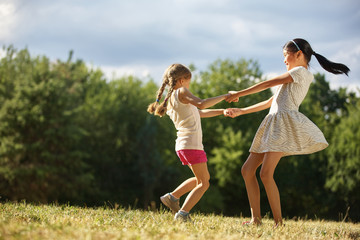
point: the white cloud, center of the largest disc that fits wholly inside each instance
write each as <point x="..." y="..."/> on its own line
<point x="143" y="37"/>
<point x="7" y="20"/>
<point x="141" y="71"/>
<point x="2" y="53"/>
<point x="113" y="72"/>
<point x="348" y="53"/>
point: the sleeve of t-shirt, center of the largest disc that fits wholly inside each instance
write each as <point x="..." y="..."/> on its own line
<point x="296" y="74"/>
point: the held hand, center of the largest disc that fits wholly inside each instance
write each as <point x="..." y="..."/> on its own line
<point x="227" y="96"/>
<point x="229" y="112"/>
<point x="231" y="97"/>
<point x="233" y="112"/>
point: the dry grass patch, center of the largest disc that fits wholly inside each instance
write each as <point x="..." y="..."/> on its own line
<point x="26" y="221"/>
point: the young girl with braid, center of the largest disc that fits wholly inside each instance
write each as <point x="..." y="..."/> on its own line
<point x="185" y="110"/>
<point x="284" y="131"/>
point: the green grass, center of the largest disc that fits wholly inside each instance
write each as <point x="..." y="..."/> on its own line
<point x="27" y="221"/>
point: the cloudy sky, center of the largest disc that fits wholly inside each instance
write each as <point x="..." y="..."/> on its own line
<point x="143" y="37"/>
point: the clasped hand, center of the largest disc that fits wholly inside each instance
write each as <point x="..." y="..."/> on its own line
<point x="232" y="97"/>
<point x="231" y="112"/>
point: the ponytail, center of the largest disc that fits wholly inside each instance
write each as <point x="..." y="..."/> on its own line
<point x="335" y="68"/>
<point x="299" y="44"/>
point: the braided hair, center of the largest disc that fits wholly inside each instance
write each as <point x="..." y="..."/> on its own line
<point x="171" y="75"/>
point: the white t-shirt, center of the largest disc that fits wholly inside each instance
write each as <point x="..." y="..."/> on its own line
<point x="186" y="119"/>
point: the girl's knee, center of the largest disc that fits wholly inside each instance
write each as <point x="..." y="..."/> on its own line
<point x="206" y="179"/>
<point x="205" y="185"/>
<point x="245" y="172"/>
<point x="266" y="176"/>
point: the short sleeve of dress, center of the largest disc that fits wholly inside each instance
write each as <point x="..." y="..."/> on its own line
<point x="296" y="74"/>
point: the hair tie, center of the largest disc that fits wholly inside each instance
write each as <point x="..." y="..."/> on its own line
<point x="313" y="52"/>
<point x="157" y="100"/>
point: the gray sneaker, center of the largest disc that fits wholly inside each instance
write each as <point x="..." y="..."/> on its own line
<point x="181" y="217"/>
<point x="167" y="201"/>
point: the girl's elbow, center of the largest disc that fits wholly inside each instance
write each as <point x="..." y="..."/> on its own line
<point x="201" y="105"/>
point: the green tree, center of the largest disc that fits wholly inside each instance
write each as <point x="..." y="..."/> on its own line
<point x="343" y="175"/>
<point x="39" y="153"/>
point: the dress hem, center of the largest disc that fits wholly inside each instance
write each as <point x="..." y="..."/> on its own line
<point x="321" y="146"/>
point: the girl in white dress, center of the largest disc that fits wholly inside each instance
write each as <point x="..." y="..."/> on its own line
<point x="284" y="131"/>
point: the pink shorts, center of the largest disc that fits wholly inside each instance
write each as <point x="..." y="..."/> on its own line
<point x="191" y="156"/>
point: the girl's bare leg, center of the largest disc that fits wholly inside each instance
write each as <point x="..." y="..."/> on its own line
<point x="248" y="172"/>
<point x="185" y="187"/>
<point x="271" y="159"/>
<point x="202" y="176"/>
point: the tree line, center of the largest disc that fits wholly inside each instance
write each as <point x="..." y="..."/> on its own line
<point x="69" y="135"/>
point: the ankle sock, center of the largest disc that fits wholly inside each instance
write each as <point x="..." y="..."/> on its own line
<point x="184" y="213"/>
<point x="173" y="198"/>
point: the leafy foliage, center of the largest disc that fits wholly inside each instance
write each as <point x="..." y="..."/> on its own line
<point x="40" y="141"/>
<point x="343" y="175"/>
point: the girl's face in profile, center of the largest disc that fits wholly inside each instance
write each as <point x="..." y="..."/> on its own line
<point x="289" y="59"/>
<point x="185" y="82"/>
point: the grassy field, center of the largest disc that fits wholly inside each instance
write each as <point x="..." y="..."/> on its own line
<point x="26" y="221"/>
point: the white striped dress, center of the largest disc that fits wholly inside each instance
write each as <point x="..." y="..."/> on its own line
<point x="285" y="129"/>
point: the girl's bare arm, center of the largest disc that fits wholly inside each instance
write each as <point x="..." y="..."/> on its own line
<point x="254" y="108"/>
<point x="206" y="113"/>
<point x="185" y="96"/>
<point x="282" y="79"/>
